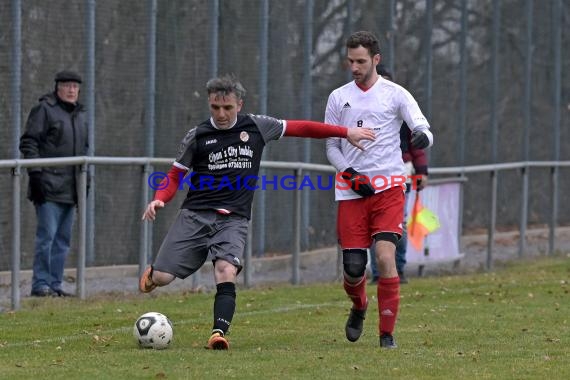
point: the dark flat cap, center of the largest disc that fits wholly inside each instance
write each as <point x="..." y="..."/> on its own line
<point x="68" y="76"/>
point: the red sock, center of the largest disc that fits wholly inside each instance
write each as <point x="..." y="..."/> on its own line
<point x="388" y="292"/>
<point x="357" y="293"/>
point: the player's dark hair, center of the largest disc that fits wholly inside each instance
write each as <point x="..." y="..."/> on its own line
<point x="225" y="85"/>
<point x="366" y="40"/>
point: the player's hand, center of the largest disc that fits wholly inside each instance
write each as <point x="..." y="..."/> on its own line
<point x="421" y="181"/>
<point x="151" y="209"/>
<point x="359" y="183"/>
<point x="420" y="140"/>
<point x="354" y="135"/>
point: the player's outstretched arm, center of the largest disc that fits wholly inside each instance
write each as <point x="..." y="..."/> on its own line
<point x="167" y="191"/>
<point x="317" y="130"/>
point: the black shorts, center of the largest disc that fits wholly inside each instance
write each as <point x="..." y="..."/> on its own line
<point x="196" y="235"/>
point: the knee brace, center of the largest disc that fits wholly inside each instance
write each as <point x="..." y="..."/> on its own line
<point x="387" y="236"/>
<point x="354" y="262"/>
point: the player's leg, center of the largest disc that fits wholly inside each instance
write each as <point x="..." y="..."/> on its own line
<point x="401" y="249"/>
<point x="373" y="264"/>
<point x="152" y="278"/>
<point x="182" y="252"/>
<point x="224" y="304"/>
<point x="387" y="213"/>
<point x="354" y="238"/>
<point x="227" y="246"/>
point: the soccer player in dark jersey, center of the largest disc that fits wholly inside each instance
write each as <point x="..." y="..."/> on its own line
<point x="224" y="154"/>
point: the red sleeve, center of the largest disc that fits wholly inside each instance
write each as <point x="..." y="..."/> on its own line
<point x="314" y="129"/>
<point x="170" y="183"/>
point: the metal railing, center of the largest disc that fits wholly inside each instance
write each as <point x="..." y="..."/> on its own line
<point x="297" y="167"/>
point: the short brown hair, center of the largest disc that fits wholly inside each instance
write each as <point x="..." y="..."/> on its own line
<point x="225" y="85"/>
<point x="366" y="40"/>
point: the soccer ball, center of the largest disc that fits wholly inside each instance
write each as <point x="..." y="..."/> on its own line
<point x="153" y="330"/>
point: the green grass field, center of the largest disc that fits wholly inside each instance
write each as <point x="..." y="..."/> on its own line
<point x="513" y="323"/>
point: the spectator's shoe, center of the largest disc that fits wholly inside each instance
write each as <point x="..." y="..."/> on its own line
<point x="218" y="342"/>
<point x="373" y="281"/>
<point x="43" y="292"/>
<point x="63" y="293"/>
<point x="354" y="324"/>
<point x="403" y="279"/>
<point x="146" y="285"/>
<point x="387" y="341"/>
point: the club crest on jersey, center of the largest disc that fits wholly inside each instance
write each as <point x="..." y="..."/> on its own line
<point x="244" y="136"/>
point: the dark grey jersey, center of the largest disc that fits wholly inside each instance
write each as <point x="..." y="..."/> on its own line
<point x="224" y="163"/>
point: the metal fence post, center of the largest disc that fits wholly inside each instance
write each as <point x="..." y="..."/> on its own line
<point x="296" y="259"/>
<point x="82" y="208"/>
<point x="248" y="264"/>
<point x="16" y="238"/>
<point x="90" y="104"/>
<point x="307" y="110"/>
<point x="493" y="221"/>
<point x="16" y="102"/>
<point x="556" y="101"/>
<point x="524" y="212"/>
<point x="554" y="211"/>
<point x="145" y="225"/>
<point x="259" y="200"/>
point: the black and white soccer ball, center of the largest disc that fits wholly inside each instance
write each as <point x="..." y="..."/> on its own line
<point x="153" y="330"/>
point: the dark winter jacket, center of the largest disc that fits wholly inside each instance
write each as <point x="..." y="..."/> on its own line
<point x="55" y="129"/>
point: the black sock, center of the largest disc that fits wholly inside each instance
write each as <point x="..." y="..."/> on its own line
<point x="224" y="306"/>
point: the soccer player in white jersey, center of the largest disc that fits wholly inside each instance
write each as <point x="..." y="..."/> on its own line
<point x="371" y="198"/>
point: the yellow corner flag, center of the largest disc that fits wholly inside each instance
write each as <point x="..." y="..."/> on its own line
<point x="421" y="222"/>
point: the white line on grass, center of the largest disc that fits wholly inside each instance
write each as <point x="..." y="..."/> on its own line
<point x="182" y="322"/>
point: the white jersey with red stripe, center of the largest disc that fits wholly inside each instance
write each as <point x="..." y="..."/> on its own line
<point x="383" y="108"/>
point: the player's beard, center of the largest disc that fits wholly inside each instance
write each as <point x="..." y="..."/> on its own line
<point x="365" y="78"/>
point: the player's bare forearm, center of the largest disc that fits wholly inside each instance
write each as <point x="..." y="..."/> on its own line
<point x="151" y="209"/>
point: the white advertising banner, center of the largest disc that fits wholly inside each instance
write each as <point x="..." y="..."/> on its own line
<point x="443" y="243"/>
